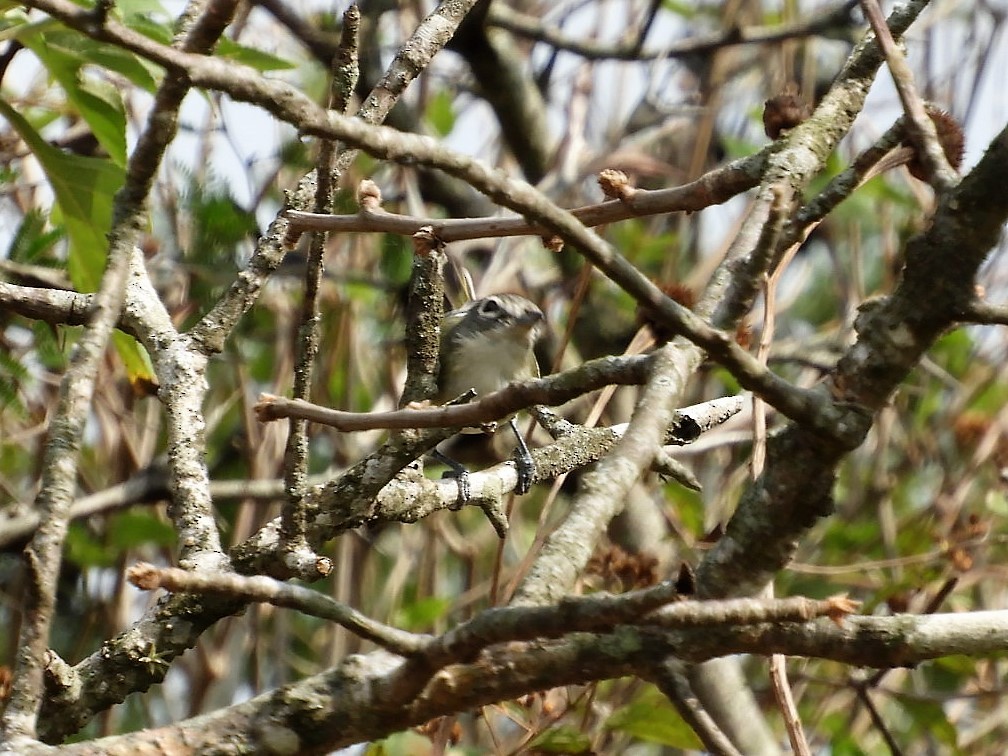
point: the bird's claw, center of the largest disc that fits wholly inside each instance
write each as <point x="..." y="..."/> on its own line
<point x="461" y="475"/>
<point x="526" y="470"/>
<point x="464" y="489"/>
<point x="524" y="464"/>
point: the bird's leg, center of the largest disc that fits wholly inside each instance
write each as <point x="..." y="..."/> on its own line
<point x="523" y="462"/>
<point x="457" y="471"/>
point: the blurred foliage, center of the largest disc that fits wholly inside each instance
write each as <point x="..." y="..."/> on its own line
<point x="651" y="717"/>
<point x="33" y="242"/>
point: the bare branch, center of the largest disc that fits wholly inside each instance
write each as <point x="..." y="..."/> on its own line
<point x="264" y="589"/>
<point x="203" y="24"/>
<point x="717" y="186"/>
<point x="532" y="27"/>
<point x="552" y="390"/>
<point x="344" y="76"/>
<point x="334" y="699"/>
<point x="921" y="128"/>
<point x="986" y="313"/>
<point x="813" y="408"/>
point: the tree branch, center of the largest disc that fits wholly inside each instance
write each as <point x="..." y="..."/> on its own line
<point x="533" y="28"/>
<point x="204" y="23"/>
<point x="714" y="187"/>
<point x="336" y="701"/>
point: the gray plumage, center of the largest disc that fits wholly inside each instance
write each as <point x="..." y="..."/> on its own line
<point x="487" y="344"/>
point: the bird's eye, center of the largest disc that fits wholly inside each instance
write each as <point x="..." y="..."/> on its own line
<point x="490" y="307"/>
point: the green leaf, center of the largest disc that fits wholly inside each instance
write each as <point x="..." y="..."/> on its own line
<point x="131" y="10"/>
<point x="561" y="739"/>
<point x="140" y="71"/>
<point x="84" y="188"/>
<point x="12" y="375"/>
<point x="31" y="242"/>
<point x="127" y="530"/>
<point x="685" y="10"/>
<point x="250" y="56"/>
<point x="219" y="224"/>
<point x="98" y="103"/>
<point x="139" y="369"/>
<point x="49" y="348"/>
<point x="651" y="717"/>
<point x="159" y="31"/>
<point x="407" y="743"/>
<point x="84" y="550"/>
<point x="11" y="17"/>
<point x="423" y="613"/>
<point x="440" y="113"/>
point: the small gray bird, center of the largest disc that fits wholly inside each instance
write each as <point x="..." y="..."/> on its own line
<point x="485" y="345"/>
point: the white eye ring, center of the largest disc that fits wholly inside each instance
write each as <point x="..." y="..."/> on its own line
<point x="490" y="307"/>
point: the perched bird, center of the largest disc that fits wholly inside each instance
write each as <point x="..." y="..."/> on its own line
<point x="485" y="345"/>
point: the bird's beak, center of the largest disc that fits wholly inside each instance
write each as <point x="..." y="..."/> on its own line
<point x="531" y="319"/>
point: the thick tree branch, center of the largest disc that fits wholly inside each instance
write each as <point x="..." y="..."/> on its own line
<point x="894" y="332"/>
<point x="355" y="702"/>
<point x="727" y="297"/>
<point x="339" y="506"/>
<point x="812" y="407"/>
<point x="203" y="24"/>
<point x="85" y="690"/>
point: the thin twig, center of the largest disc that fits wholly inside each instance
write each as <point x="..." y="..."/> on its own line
<point x="766" y="249"/>
<point x="921" y="129"/>
<point x="671" y="680"/>
<point x="714" y="187"/>
<point x="778" y="669"/>
<point x="267" y="590"/>
<point x="551" y="390"/>
<point x="533" y="28"/>
<point x="293" y="523"/>
<point x="878" y="721"/>
<point x="987" y="313"/>
<point x="813" y="408"/>
<point x="786" y="703"/>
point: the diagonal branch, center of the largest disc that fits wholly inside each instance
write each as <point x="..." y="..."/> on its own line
<point x="244" y="85"/>
<point x="86" y="690"/>
<point x="203" y="24"/>
<point x="893" y="334"/>
<point x="921" y="128"/>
